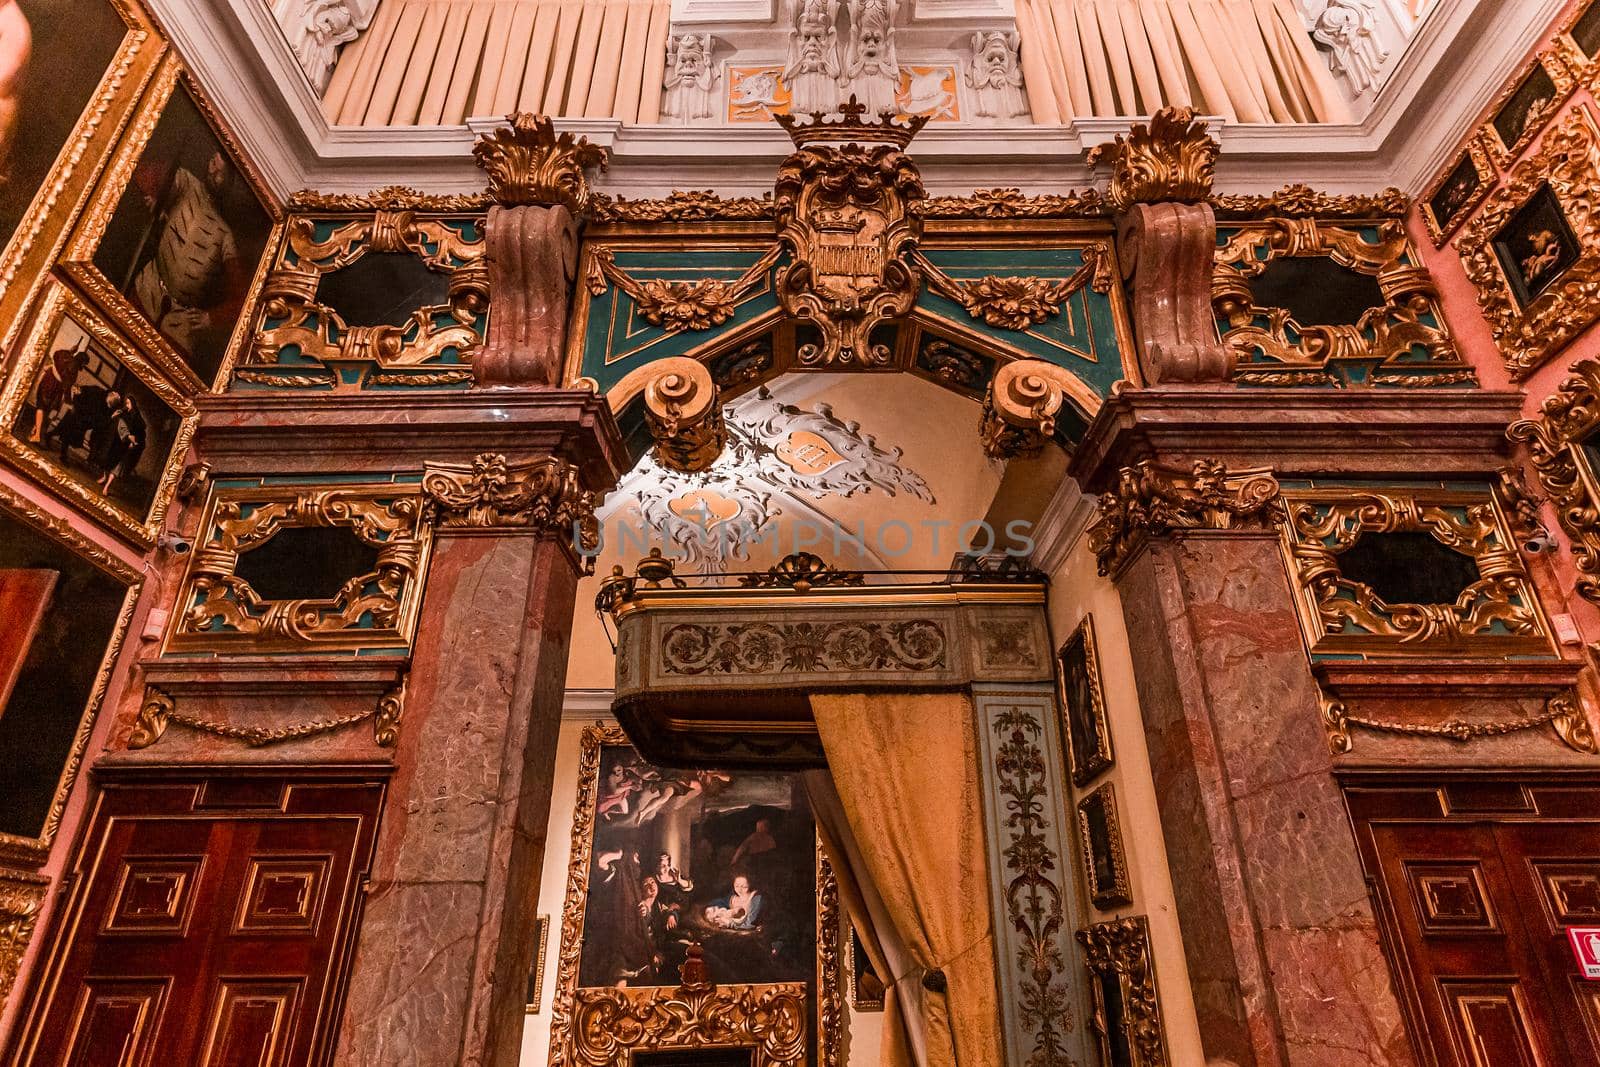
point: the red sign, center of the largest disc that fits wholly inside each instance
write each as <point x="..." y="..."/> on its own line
<point x="1586" y="947"/>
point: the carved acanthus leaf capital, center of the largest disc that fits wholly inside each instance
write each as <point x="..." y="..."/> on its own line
<point x="684" y="413"/>
<point x="529" y="163"/>
<point x="1021" y="406"/>
<point x="1172" y="158"/>
<point x="1151" y="500"/>
<point x="492" y="493"/>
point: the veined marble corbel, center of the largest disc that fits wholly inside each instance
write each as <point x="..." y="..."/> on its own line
<point x="1021" y="406"/>
<point x="684" y="413"/>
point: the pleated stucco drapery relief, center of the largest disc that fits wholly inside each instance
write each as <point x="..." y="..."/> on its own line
<point x="1245" y="60"/>
<point x="905" y="767"/>
<point x="437" y="62"/>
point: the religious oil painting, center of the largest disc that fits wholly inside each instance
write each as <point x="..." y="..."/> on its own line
<point x="1536" y="245"/>
<point x="722" y="859"/>
<point x="1520" y="115"/>
<point x="1083" y="705"/>
<point x="1100" y="836"/>
<point x="186" y="237"/>
<point x="1585" y="31"/>
<point x="54" y="55"/>
<point x="91" y="411"/>
<point x="1458" y="192"/>
<point x="62" y="616"/>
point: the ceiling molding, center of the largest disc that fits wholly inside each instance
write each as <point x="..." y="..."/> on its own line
<point x="1452" y="69"/>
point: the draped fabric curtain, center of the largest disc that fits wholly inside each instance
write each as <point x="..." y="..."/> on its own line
<point x="1246" y="60"/>
<point x="910" y="845"/>
<point x="437" y="62"/>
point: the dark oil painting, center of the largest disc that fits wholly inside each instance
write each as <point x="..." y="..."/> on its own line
<point x="186" y="237"/>
<point x="1527" y="104"/>
<point x="53" y="57"/>
<point x="1456" y="192"/>
<point x="1536" y="245"/>
<point x="94" y="416"/>
<point x="1083" y="705"/>
<point x="1586" y="31"/>
<point x="722" y="859"/>
<point x="59" y="614"/>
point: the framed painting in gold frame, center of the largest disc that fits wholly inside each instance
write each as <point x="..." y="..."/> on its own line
<point x="534" y="998"/>
<point x="173" y="247"/>
<point x="1580" y="36"/>
<point x="1525" y="105"/>
<point x="87" y="64"/>
<point x="1100" y="837"/>
<point x="83" y="598"/>
<point x="1533" y="249"/>
<point x="1085" y="731"/>
<point x="701" y="897"/>
<point x="1456" y="192"/>
<point x="91" y="420"/>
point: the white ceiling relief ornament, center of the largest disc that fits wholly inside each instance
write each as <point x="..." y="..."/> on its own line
<point x="778" y="461"/>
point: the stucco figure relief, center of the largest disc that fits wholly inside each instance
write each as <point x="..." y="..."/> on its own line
<point x="1348" y="29"/>
<point x="995" y="75"/>
<point x="691" y="80"/>
<point x="871" y="70"/>
<point x="813" y="71"/>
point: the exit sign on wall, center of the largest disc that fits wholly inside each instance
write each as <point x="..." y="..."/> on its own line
<point x="1586" y="947"/>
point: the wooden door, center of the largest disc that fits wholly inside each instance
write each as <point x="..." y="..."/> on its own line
<point x="1475" y="885"/>
<point x="209" y="924"/>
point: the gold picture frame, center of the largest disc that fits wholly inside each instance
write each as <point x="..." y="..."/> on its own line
<point x="732" y="1013"/>
<point x="30" y="250"/>
<point x="1550" y="64"/>
<point x="1122" y="984"/>
<point x="1531" y="326"/>
<point x="1474" y="159"/>
<point x="1105" y="864"/>
<point x="33" y="851"/>
<point x="1583" y="24"/>
<point x="1085" y="729"/>
<point x="1559" y="439"/>
<point x="77" y="260"/>
<point x="59" y="305"/>
<point x="541" y="951"/>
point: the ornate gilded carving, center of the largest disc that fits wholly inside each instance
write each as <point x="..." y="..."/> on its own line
<point x="220" y="611"/>
<point x="1495" y="615"/>
<point x="830" y="984"/>
<point x="844" y="202"/>
<point x="160" y="710"/>
<point x="1151" y="500"/>
<point x="1034" y="904"/>
<point x="1568" y="418"/>
<point x="1296" y="201"/>
<point x="1014" y="204"/>
<point x="683" y="409"/>
<point x="1172" y="158"/>
<point x="769" y="648"/>
<point x="1020" y="407"/>
<point x="1398" y="339"/>
<point x="1119" y="951"/>
<point x="674" y="305"/>
<point x="300" y="342"/>
<point x="529" y="163"/>
<point x="770" y="1019"/>
<point x="679" y="206"/>
<point x="1020" y="303"/>
<point x="802" y="572"/>
<point x="1562" y="712"/>
<point x="21" y="897"/>
<point x="389" y="198"/>
<point x="492" y="493"/>
<point x="1538" y="313"/>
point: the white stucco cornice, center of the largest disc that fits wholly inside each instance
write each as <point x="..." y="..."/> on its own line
<point x="1463" y="54"/>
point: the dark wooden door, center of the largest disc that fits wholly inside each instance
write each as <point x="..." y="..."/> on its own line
<point x="1475" y="885"/>
<point x="209" y="925"/>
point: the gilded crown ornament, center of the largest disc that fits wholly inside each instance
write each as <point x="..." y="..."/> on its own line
<point x="529" y="163"/>
<point x="1170" y="159"/>
<point x="846" y="126"/>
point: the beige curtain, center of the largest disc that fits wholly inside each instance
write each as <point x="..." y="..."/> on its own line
<point x="905" y="767"/>
<point x="439" y="62"/>
<point x="1246" y="60"/>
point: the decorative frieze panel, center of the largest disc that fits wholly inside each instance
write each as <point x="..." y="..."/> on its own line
<point x="346" y="570"/>
<point x="1563" y="713"/>
<point x="1306" y="302"/>
<point x="1564" y="440"/>
<point x="391" y="298"/>
<point x="1030" y="875"/>
<point x="1533" y="251"/>
<point x="1410" y="571"/>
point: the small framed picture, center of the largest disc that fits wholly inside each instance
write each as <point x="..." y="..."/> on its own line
<point x="1083" y="705"/>
<point x="541" y="949"/>
<point x="92" y="420"/>
<point x="1584" y="32"/>
<point x="1456" y="193"/>
<point x="1100" y="836"/>
<point x="1536" y="245"/>
<point x="866" y="987"/>
<point x="1525" y="107"/>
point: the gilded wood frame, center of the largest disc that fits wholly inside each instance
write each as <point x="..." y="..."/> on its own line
<point x="1568" y="162"/>
<point x="77" y="259"/>
<point x="1476" y="154"/>
<point x="34" y="850"/>
<point x="31" y="250"/>
<point x="1568" y="418"/>
<point x="1084" y="766"/>
<point x="731" y="1005"/>
<point x="1118" y="951"/>
<point x="1119" y="891"/>
<point x="1561" y="75"/>
<point x="60" y="303"/>
<point x="1585" y="67"/>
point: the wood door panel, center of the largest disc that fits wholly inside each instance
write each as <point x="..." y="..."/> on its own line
<point x="1489" y="1025"/>
<point x="237" y="901"/>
